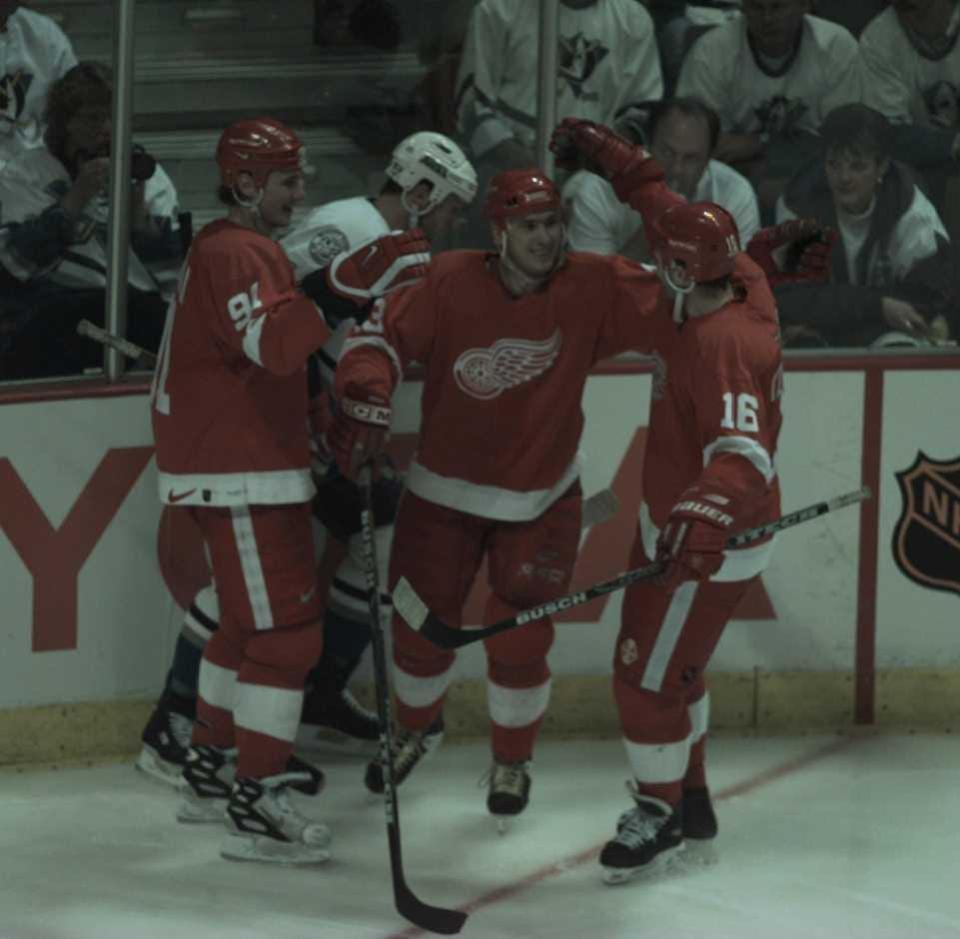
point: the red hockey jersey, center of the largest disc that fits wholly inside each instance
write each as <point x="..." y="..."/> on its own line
<point x="504" y="375"/>
<point x="715" y="418"/>
<point x="229" y="401"/>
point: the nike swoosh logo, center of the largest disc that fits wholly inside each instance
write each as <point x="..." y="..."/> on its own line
<point x="306" y="597"/>
<point x="179" y="496"/>
<point x="370" y="253"/>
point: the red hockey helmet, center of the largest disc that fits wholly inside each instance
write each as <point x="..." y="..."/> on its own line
<point x="514" y="193"/>
<point x="696" y="242"/>
<point x="260" y="147"/>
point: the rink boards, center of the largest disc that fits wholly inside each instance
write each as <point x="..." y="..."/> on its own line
<point x="856" y="621"/>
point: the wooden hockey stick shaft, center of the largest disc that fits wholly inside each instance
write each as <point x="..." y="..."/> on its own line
<point x="409" y="605"/>
<point x="431" y="918"/>
<point x="124" y="346"/>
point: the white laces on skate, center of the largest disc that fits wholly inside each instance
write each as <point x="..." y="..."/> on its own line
<point x="508" y="778"/>
<point x="640" y="825"/>
<point x="637" y="828"/>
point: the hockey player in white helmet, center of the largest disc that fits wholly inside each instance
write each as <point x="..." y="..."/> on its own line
<point x="429" y="182"/>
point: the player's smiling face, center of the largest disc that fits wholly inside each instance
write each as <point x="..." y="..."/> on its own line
<point x="281" y="194"/>
<point x="534" y="242"/>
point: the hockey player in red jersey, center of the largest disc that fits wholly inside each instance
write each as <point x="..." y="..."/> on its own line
<point x="229" y="408"/>
<point x="709" y="471"/>
<point x="506" y="340"/>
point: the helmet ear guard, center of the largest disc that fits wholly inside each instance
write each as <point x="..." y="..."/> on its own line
<point x="430" y="157"/>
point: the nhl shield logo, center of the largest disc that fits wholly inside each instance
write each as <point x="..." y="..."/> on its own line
<point x="926" y="541"/>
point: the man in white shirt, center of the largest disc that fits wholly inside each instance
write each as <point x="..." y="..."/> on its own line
<point x="682" y="134"/>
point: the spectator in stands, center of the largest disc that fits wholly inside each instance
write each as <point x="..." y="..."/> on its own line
<point x="678" y="25"/>
<point x="911" y="62"/>
<point x="34" y="52"/>
<point x="682" y="135"/>
<point x="772" y="75"/>
<point x="53" y="236"/>
<point x="891" y="270"/>
<point x="607" y="61"/>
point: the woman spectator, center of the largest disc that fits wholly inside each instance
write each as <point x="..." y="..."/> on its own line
<point x="53" y="235"/>
<point x="891" y="269"/>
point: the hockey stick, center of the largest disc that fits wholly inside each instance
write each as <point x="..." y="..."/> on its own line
<point x="599" y="507"/>
<point x="431" y="918"/>
<point x="124" y="346"/>
<point x="409" y="605"/>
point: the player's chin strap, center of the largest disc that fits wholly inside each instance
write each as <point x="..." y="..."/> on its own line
<point x="254" y="206"/>
<point x="679" y="292"/>
<point x="413" y="213"/>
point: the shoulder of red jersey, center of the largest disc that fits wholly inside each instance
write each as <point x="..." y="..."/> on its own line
<point x="455" y="265"/>
<point x="222" y="237"/>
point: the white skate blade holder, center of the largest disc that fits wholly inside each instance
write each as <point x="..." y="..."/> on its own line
<point x="244" y="847"/>
<point x="664" y="863"/>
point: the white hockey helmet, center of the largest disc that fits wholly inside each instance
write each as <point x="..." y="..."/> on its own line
<point x="435" y="158"/>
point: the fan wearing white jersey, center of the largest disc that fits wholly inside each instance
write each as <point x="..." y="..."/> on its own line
<point x="772" y="74"/>
<point x="53" y="236"/>
<point x="34" y="53"/>
<point x="607" y="60"/>
<point x="911" y="61"/>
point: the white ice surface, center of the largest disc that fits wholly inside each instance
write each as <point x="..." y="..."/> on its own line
<point x="819" y="837"/>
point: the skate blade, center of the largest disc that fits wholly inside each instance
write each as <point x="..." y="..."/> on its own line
<point x="192" y="811"/>
<point x="503" y="823"/>
<point x="270" y="851"/>
<point x="335" y="744"/>
<point x="699" y="852"/>
<point x="155" y="767"/>
<point x="659" y="866"/>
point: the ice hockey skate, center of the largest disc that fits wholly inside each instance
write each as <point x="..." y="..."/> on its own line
<point x="409" y="748"/>
<point x="264" y="825"/>
<point x="647" y="836"/>
<point x="337" y="723"/>
<point x="165" y="741"/>
<point x="206" y="783"/>
<point x="699" y="826"/>
<point x="508" y="792"/>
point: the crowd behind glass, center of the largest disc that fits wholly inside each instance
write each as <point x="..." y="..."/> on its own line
<point x="773" y="108"/>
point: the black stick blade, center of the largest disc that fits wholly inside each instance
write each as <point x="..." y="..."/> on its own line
<point x="431" y="918"/>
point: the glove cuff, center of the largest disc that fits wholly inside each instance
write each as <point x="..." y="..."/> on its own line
<point x="366" y="412"/>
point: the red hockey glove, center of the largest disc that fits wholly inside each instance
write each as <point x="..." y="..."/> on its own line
<point x="360" y="429"/>
<point x="380" y="265"/>
<point x="796" y="251"/>
<point x="691" y="543"/>
<point x="626" y="165"/>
